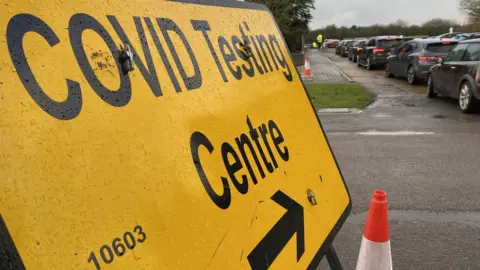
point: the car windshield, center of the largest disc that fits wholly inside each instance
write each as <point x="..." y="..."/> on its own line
<point x="440" y="47"/>
<point x="461" y="35"/>
<point x="389" y="43"/>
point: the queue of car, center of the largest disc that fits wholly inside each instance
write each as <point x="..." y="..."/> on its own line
<point x="449" y="64"/>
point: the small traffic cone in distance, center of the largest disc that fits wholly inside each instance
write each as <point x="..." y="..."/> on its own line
<point x="307" y="71"/>
<point x="375" y="253"/>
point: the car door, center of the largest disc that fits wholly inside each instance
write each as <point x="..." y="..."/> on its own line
<point x="352" y="49"/>
<point x="443" y="77"/>
<point x="393" y="60"/>
<point x="461" y="68"/>
<point x="359" y="48"/>
<point x="403" y="59"/>
<point x="367" y="49"/>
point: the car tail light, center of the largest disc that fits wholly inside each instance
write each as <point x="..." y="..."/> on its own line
<point x="378" y="50"/>
<point x="446" y="42"/>
<point x="427" y="58"/>
<point x="390" y="39"/>
<point x="358" y="49"/>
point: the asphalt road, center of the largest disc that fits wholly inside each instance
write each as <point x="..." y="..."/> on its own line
<point x="426" y="155"/>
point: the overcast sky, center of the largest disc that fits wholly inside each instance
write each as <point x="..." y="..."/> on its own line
<point x="367" y="12"/>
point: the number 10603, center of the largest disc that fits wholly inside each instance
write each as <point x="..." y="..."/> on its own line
<point x="118" y="247"/>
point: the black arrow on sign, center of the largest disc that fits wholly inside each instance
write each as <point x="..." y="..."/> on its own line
<point x="277" y="238"/>
<point x="9" y="257"/>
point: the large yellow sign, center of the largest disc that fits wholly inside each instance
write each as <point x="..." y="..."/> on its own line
<point x="206" y="155"/>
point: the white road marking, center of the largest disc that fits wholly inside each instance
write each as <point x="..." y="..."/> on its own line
<point x="384" y="133"/>
<point x="394" y="133"/>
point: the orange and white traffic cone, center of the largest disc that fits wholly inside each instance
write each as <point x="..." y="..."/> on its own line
<point x="375" y="253"/>
<point x="307" y="71"/>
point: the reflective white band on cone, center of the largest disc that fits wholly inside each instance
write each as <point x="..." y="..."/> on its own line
<point x="374" y="256"/>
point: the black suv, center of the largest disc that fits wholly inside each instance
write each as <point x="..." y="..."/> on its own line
<point x="376" y="50"/>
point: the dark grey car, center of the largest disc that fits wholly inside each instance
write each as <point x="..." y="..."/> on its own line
<point x="355" y="49"/>
<point x="344" y="51"/>
<point x="413" y="59"/>
<point x="458" y="76"/>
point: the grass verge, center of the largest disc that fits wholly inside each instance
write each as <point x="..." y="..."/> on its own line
<point x="351" y="95"/>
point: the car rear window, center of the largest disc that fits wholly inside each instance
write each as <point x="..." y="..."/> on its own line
<point x="349" y="43"/>
<point x="389" y="43"/>
<point x="440" y="47"/>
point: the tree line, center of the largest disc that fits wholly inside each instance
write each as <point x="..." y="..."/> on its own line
<point x="432" y="27"/>
<point x="294" y="16"/>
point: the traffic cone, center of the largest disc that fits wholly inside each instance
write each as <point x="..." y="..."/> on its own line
<point x="307" y="71"/>
<point x="375" y="251"/>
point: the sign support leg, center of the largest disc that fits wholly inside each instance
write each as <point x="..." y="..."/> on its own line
<point x="333" y="260"/>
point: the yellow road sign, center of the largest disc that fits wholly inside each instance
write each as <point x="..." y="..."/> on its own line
<point x="151" y="134"/>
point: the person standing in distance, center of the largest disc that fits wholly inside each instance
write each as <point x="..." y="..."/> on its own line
<point x="320" y="41"/>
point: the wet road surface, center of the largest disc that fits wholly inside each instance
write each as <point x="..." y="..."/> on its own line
<point x="426" y="155"/>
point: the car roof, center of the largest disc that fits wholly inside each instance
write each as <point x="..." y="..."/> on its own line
<point x="474" y="40"/>
<point x="415" y="36"/>
<point x="385" y="37"/>
<point x="433" y="40"/>
<point x="454" y="33"/>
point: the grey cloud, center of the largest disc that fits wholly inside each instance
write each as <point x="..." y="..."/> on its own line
<point x="368" y="12"/>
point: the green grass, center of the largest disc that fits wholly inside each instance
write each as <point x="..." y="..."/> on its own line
<point x="350" y="95"/>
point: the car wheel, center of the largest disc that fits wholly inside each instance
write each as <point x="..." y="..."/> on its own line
<point x="387" y="71"/>
<point x="411" y="77"/>
<point x="358" y="61"/>
<point x="466" y="100"/>
<point x="369" y="64"/>
<point x="431" y="88"/>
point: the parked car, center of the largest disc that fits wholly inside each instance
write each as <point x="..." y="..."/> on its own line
<point x="458" y="76"/>
<point x="339" y="46"/>
<point x="376" y="50"/>
<point x="344" y="51"/>
<point x="413" y="59"/>
<point x="472" y="36"/>
<point x="331" y="43"/>
<point x="355" y="48"/>
<point x="454" y="35"/>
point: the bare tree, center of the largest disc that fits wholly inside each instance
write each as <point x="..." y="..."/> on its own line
<point x="471" y="8"/>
